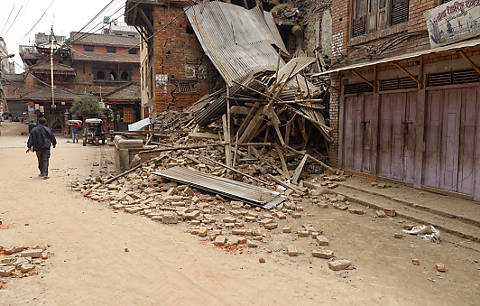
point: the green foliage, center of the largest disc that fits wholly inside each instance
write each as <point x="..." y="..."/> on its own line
<point x="86" y="105"/>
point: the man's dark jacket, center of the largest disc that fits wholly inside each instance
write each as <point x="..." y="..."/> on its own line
<point x="41" y="138"/>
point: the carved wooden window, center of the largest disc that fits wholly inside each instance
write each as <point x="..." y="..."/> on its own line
<point x="372" y="15"/>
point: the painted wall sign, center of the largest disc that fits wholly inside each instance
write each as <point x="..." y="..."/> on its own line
<point x="453" y="21"/>
<point x="161" y="81"/>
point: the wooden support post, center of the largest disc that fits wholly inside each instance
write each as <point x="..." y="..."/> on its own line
<point x="468" y="60"/>
<point x="228" y="145"/>
<point x="419" y="137"/>
<point x="401" y="68"/>
<point x="375" y="128"/>
<point x="363" y="78"/>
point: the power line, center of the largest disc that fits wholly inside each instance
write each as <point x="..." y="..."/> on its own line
<point x="97" y="27"/>
<point x="13" y="22"/>
<point x="41" y="17"/>
<point x="96" y="16"/>
<point x="8" y="19"/>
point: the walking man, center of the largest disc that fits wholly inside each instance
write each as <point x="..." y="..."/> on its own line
<point x="75" y="128"/>
<point x="40" y="140"/>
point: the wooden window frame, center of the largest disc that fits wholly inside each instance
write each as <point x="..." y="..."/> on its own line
<point x="375" y="17"/>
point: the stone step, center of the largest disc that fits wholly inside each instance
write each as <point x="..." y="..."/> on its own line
<point x="446" y="224"/>
<point x="460" y="215"/>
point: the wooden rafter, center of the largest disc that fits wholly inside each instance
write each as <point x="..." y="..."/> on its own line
<point x="401" y="68"/>
<point x="468" y="60"/>
<point x="146" y="20"/>
<point x="365" y="79"/>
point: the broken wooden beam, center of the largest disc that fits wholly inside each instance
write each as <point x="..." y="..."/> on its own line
<point x="182" y="148"/>
<point x="299" y="169"/>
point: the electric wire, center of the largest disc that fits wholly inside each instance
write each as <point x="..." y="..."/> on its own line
<point x="40" y="19"/>
<point x="14" y="20"/>
<point x="8" y="19"/>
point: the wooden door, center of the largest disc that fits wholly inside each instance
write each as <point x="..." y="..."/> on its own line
<point x="433" y="138"/>
<point x="397" y="136"/>
<point x="466" y="165"/>
<point x="450" y="139"/>
<point x="450" y="144"/>
<point x="358" y="134"/>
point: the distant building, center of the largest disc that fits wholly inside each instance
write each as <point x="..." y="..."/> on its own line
<point x="5" y="65"/>
<point x="97" y="64"/>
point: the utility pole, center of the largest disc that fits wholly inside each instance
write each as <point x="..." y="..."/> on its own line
<point x="52" y="45"/>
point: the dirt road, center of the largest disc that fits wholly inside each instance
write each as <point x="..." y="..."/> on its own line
<point x="165" y="266"/>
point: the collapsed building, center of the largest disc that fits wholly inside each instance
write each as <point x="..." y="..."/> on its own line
<point x="391" y="88"/>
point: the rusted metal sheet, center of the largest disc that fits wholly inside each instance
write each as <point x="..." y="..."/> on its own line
<point x="247" y="193"/>
<point x="237" y="41"/>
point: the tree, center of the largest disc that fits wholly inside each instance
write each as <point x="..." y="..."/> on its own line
<point x="86" y="105"/>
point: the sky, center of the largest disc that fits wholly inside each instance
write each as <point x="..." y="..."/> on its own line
<point x="65" y="16"/>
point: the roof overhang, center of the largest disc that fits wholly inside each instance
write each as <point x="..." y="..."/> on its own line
<point x="452" y="47"/>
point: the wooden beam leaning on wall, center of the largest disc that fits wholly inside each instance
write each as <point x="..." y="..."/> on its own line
<point x="146" y="20"/>
<point x="365" y="79"/>
<point x="401" y="68"/>
<point x="468" y="60"/>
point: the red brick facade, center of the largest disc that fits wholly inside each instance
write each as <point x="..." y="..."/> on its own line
<point x="178" y="54"/>
<point x="176" y="57"/>
<point x="344" y="43"/>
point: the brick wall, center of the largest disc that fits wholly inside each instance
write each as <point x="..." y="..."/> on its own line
<point x="343" y="43"/>
<point x="334" y="112"/>
<point x="178" y="54"/>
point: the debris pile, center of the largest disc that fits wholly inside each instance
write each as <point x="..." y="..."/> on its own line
<point x="20" y="261"/>
<point x="265" y="132"/>
<point x="232" y="225"/>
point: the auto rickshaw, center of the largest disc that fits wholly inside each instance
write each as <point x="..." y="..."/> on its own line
<point x="93" y="132"/>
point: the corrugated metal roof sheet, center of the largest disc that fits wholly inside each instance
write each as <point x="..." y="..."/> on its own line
<point x="250" y="194"/>
<point x="237" y="41"/>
